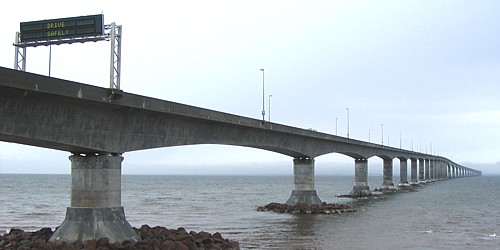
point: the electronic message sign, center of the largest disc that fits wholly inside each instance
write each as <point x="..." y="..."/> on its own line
<point x="70" y="27"/>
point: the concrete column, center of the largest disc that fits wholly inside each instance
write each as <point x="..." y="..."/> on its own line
<point x="388" y="183"/>
<point x="427" y="173"/>
<point x="304" y="192"/>
<point x="414" y="177"/>
<point x="437" y="170"/>
<point x="403" y="174"/>
<point x="432" y="171"/>
<point x="446" y="170"/>
<point x="421" y="172"/>
<point x="360" y="188"/>
<point x="95" y="210"/>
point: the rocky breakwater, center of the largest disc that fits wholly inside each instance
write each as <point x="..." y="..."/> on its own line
<point x="151" y="238"/>
<point x="324" y="208"/>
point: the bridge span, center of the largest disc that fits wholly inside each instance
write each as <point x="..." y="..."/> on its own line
<point x="98" y="125"/>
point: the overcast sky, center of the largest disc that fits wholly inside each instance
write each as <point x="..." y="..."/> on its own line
<point x="429" y="71"/>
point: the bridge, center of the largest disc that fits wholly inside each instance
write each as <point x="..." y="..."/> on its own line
<point x="98" y="125"/>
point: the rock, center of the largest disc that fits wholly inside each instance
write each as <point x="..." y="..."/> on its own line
<point x="90" y="244"/>
<point x="152" y="238"/>
<point x="168" y="244"/>
<point x="324" y="208"/>
<point x="102" y="242"/>
<point x="180" y="246"/>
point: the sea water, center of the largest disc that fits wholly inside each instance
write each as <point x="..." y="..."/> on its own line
<point x="453" y="214"/>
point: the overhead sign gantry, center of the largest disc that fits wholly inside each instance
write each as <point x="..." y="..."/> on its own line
<point x="70" y="30"/>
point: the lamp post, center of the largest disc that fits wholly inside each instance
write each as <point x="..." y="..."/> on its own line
<point x="336" y="126"/>
<point x="269" y="108"/>
<point x="369" y="134"/>
<point x="263" y="110"/>
<point x="382" y="125"/>
<point x="347" y="122"/>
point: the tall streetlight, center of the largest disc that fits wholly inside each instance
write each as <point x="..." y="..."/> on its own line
<point x="347" y="122"/>
<point x="269" y="108"/>
<point x="382" y="125"/>
<point x="263" y="108"/>
<point x="369" y="134"/>
<point x="336" y="126"/>
<point x="399" y="140"/>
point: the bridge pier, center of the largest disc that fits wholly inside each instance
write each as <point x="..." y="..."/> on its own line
<point x="414" y="178"/>
<point x="388" y="184"/>
<point x="95" y="210"/>
<point x="360" y="188"/>
<point x="432" y="171"/>
<point x="304" y="192"/>
<point x="427" y="173"/>
<point x="403" y="174"/>
<point x="421" y="174"/>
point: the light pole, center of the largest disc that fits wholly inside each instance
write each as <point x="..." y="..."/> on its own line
<point x="369" y="134"/>
<point x="347" y="122"/>
<point x="399" y="140"/>
<point x="269" y="108"/>
<point x="336" y="126"/>
<point x="382" y="125"/>
<point x="263" y="110"/>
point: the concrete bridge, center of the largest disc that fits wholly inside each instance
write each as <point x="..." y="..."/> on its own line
<point x="97" y="125"/>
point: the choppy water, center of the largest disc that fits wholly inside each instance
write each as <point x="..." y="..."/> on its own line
<point x="453" y="214"/>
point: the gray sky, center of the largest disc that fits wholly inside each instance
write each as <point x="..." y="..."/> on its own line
<point x="428" y="70"/>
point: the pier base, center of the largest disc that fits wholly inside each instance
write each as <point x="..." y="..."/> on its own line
<point x="95" y="210"/>
<point x="360" y="191"/>
<point x="83" y="224"/>
<point x="414" y="184"/>
<point x="404" y="186"/>
<point x="304" y="192"/>
<point x="303" y="197"/>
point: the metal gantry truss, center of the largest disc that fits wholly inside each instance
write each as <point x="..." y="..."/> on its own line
<point x="114" y="35"/>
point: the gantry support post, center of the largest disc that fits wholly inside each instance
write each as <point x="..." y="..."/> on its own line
<point x="115" y="36"/>
<point x="303" y="174"/>
<point x="20" y="54"/>
<point x="95" y="210"/>
<point x="360" y="188"/>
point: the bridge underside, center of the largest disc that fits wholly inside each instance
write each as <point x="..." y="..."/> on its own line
<point x="97" y="128"/>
